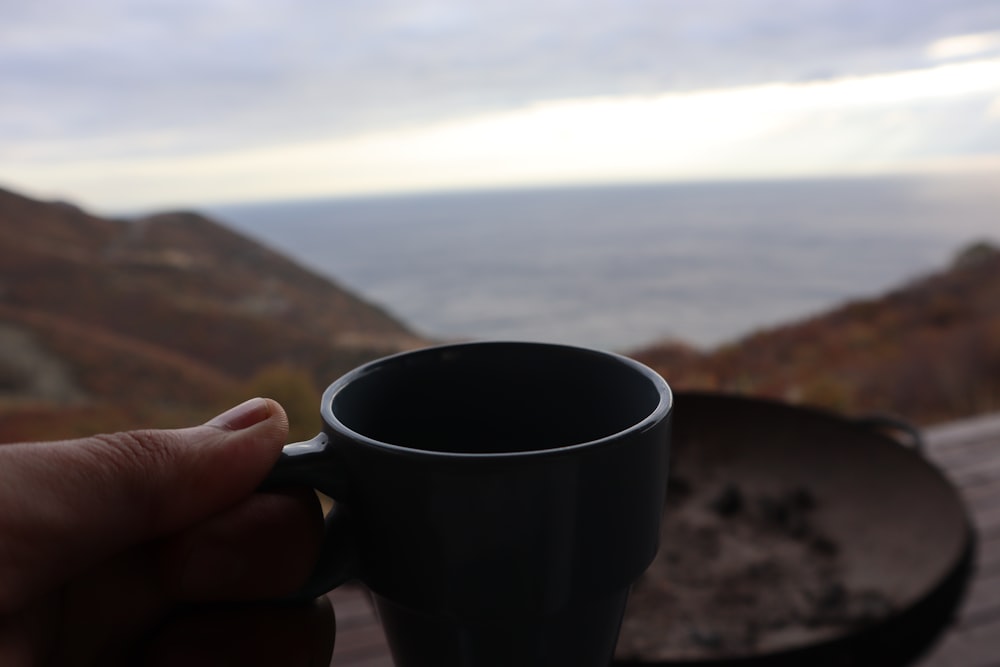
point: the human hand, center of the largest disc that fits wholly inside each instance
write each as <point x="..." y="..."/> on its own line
<point x="150" y="547"/>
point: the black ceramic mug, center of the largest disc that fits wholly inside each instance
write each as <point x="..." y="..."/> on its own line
<point x="498" y="498"/>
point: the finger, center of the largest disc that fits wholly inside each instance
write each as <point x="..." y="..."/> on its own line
<point x="265" y="547"/>
<point x="300" y="635"/>
<point x="103" y="613"/>
<point x="26" y="638"/>
<point x="66" y="505"/>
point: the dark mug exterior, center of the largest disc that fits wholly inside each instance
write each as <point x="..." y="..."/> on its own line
<point x="501" y="497"/>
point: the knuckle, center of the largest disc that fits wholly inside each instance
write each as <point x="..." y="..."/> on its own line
<point x="137" y="451"/>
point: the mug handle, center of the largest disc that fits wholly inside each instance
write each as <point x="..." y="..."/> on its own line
<point x="307" y="463"/>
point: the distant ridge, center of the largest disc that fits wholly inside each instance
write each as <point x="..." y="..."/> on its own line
<point x="161" y="320"/>
<point x="928" y="351"/>
<point x="166" y="312"/>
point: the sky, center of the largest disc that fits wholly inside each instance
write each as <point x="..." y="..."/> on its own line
<point x="142" y="104"/>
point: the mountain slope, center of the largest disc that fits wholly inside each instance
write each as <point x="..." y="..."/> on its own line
<point x="169" y="310"/>
<point x="112" y="324"/>
<point x="929" y="350"/>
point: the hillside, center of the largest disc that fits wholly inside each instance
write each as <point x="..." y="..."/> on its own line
<point x="928" y="351"/>
<point x="108" y="324"/>
<point x="161" y="318"/>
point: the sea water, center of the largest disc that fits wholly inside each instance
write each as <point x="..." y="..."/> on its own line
<point x="621" y="266"/>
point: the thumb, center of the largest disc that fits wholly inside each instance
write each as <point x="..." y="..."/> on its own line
<point x="65" y="506"/>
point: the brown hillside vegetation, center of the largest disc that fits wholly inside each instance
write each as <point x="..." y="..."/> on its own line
<point x="109" y="324"/>
<point x="159" y="320"/>
<point x="929" y="351"/>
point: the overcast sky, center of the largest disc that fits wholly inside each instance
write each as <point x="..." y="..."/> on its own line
<point x="131" y="103"/>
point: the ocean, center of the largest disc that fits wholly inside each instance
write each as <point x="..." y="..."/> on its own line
<point x="619" y="267"/>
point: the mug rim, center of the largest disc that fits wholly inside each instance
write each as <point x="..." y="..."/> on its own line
<point x="656" y="415"/>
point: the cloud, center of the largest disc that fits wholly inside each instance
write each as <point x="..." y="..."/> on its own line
<point x="993" y="113"/>
<point x="114" y="81"/>
<point x="964" y="46"/>
<point x="931" y="117"/>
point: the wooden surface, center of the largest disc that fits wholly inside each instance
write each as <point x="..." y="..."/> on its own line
<point x="969" y="453"/>
<point x="360" y="642"/>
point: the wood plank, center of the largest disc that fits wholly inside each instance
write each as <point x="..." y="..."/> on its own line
<point x="351" y="605"/>
<point x="969" y="453"/>
<point x="988" y="555"/>
<point x="369" y="661"/>
<point x="965" y="433"/>
<point x="980" y="450"/>
<point x="360" y="640"/>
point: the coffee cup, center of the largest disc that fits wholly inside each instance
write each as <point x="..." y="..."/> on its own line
<point x="498" y="499"/>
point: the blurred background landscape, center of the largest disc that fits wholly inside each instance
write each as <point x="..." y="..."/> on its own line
<point x="207" y="201"/>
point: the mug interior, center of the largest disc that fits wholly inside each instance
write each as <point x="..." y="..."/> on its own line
<point x="496" y="397"/>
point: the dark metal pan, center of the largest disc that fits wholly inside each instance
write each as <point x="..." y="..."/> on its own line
<point x="796" y="537"/>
